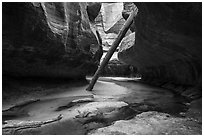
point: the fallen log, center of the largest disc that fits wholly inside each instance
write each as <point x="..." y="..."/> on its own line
<point x="114" y="46"/>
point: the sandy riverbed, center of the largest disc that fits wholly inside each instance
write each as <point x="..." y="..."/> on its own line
<point x="113" y="99"/>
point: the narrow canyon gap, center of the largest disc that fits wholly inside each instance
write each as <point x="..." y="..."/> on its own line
<point x="151" y="85"/>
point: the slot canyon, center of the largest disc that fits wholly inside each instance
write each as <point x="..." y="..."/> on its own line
<point x="152" y="84"/>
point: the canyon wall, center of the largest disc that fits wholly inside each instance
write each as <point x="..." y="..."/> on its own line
<point x="167" y="46"/>
<point x="47" y="39"/>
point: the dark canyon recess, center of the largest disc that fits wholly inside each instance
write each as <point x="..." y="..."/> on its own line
<point x="167" y="49"/>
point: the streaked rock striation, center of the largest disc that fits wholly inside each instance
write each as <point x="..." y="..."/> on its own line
<point x="47" y="39"/>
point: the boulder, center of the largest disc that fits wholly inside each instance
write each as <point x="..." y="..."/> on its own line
<point x="47" y="39"/>
<point x="119" y="69"/>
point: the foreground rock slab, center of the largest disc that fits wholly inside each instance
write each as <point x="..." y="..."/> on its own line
<point x="151" y="123"/>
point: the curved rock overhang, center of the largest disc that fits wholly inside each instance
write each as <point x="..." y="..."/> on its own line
<point x="167" y="49"/>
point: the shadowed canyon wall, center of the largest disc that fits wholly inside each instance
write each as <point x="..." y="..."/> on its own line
<point x="47" y="39"/>
<point x="57" y="40"/>
<point x="167" y="46"/>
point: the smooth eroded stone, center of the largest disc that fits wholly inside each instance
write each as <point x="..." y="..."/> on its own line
<point x="151" y="123"/>
<point x="167" y="46"/>
<point x="47" y="39"/>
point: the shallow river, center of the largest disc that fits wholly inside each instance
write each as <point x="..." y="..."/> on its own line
<point x="138" y="96"/>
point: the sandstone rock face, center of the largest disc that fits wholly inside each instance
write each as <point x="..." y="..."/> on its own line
<point x="127" y="42"/>
<point x="109" y="21"/>
<point x="167" y="49"/>
<point x="112" y="13"/>
<point x="47" y="39"/>
<point x="128" y="7"/>
<point x="93" y="9"/>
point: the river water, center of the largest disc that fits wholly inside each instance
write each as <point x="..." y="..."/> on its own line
<point x="138" y="96"/>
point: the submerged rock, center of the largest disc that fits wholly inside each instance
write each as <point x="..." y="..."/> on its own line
<point x="47" y="39"/>
<point x="167" y="45"/>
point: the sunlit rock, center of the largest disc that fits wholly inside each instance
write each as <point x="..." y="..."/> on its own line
<point x="112" y="13"/>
